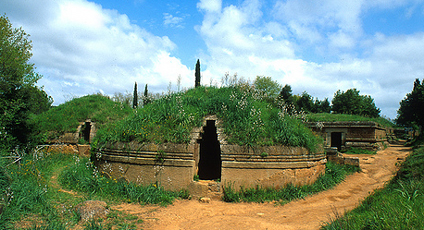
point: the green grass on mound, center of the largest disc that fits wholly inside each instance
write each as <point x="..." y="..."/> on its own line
<point x="248" y="120"/>
<point x="66" y="117"/>
<point x="330" y="117"/>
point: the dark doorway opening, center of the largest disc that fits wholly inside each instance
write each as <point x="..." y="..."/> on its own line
<point x="210" y="153"/>
<point x="86" y="131"/>
<point x="336" y="140"/>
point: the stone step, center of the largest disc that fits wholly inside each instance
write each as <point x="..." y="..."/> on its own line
<point x="206" y="188"/>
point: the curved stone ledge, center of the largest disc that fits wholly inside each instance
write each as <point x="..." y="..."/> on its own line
<point x="268" y="165"/>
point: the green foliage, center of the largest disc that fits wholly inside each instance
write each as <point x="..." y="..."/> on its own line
<point x="316" y="117"/>
<point x="411" y="111"/>
<point x="321" y="106"/>
<point x="66" y="117"/>
<point x="19" y="97"/>
<point x="248" y="120"/>
<point x="359" y="151"/>
<point x="30" y="193"/>
<point x="266" y="88"/>
<point x="350" y="102"/>
<point x="135" y="97"/>
<point x="334" y="174"/>
<point x="305" y="102"/>
<point x="400" y="205"/>
<point x="197" y="74"/>
<point x="146" y="98"/>
<point x="160" y="156"/>
<point x="83" y="176"/>
<point x="25" y="190"/>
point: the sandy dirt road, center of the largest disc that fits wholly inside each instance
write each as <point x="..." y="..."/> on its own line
<point x="309" y="213"/>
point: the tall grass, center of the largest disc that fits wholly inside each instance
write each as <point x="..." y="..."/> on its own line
<point x="334" y="174"/>
<point x="25" y="191"/>
<point x="31" y="197"/>
<point x="400" y="205"/>
<point x="248" y="119"/>
<point x="83" y="176"/>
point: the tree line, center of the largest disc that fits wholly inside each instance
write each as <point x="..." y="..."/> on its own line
<point x="348" y="102"/>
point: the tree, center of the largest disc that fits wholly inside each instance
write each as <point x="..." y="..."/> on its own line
<point x="305" y="102"/>
<point x="197" y="74"/>
<point x="286" y="93"/>
<point x="135" y="96"/>
<point x="266" y="88"/>
<point x="411" y="110"/>
<point x="146" y="99"/>
<point x="321" y="106"/>
<point x="17" y="85"/>
<point x="350" y="102"/>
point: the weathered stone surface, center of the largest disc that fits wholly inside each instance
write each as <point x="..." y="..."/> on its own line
<point x="84" y="150"/>
<point x="272" y="177"/>
<point x="92" y="209"/>
<point x="63" y="148"/>
<point x="198" y="189"/>
<point x="205" y="200"/>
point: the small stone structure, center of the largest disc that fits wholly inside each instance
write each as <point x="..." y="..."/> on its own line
<point x="210" y="158"/>
<point x="335" y="156"/>
<point x="86" y="131"/>
<point x="345" y="134"/>
<point x="71" y="142"/>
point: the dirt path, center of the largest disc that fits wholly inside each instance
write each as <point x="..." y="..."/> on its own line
<point x="309" y="213"/>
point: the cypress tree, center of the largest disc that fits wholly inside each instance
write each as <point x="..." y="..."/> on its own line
<point x="135" y="98"/>
<point x="197" y="74"/>
<point x="146" y="96"/>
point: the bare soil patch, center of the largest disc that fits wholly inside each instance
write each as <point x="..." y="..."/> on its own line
<point x="308" y="213"/>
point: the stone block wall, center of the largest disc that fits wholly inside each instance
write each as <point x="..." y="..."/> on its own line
<point x="358" y="134"/>
<point x="272" y="166"/>
<point x="169" y="165"/>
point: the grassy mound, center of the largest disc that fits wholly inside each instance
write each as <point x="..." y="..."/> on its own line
<point x="66" y="117"/>
<point x="248" y="119"/>
<point x="330" y="117"/>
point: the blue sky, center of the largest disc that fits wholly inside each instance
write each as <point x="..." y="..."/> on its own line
<point x="83" y="47"/>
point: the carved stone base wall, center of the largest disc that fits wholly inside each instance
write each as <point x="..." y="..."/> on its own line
<point x="173" y="166"/>
<point x="272" y="166"/>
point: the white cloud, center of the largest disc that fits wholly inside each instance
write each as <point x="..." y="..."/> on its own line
<point x="173" y="21"/>
<point x="240" y="39"/>
<point x="81" y="48"/>
<point x="210" y="5"/>
<point x="315" y="46"/>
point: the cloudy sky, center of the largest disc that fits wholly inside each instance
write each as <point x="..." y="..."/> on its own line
<point x="88" y="46"/>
